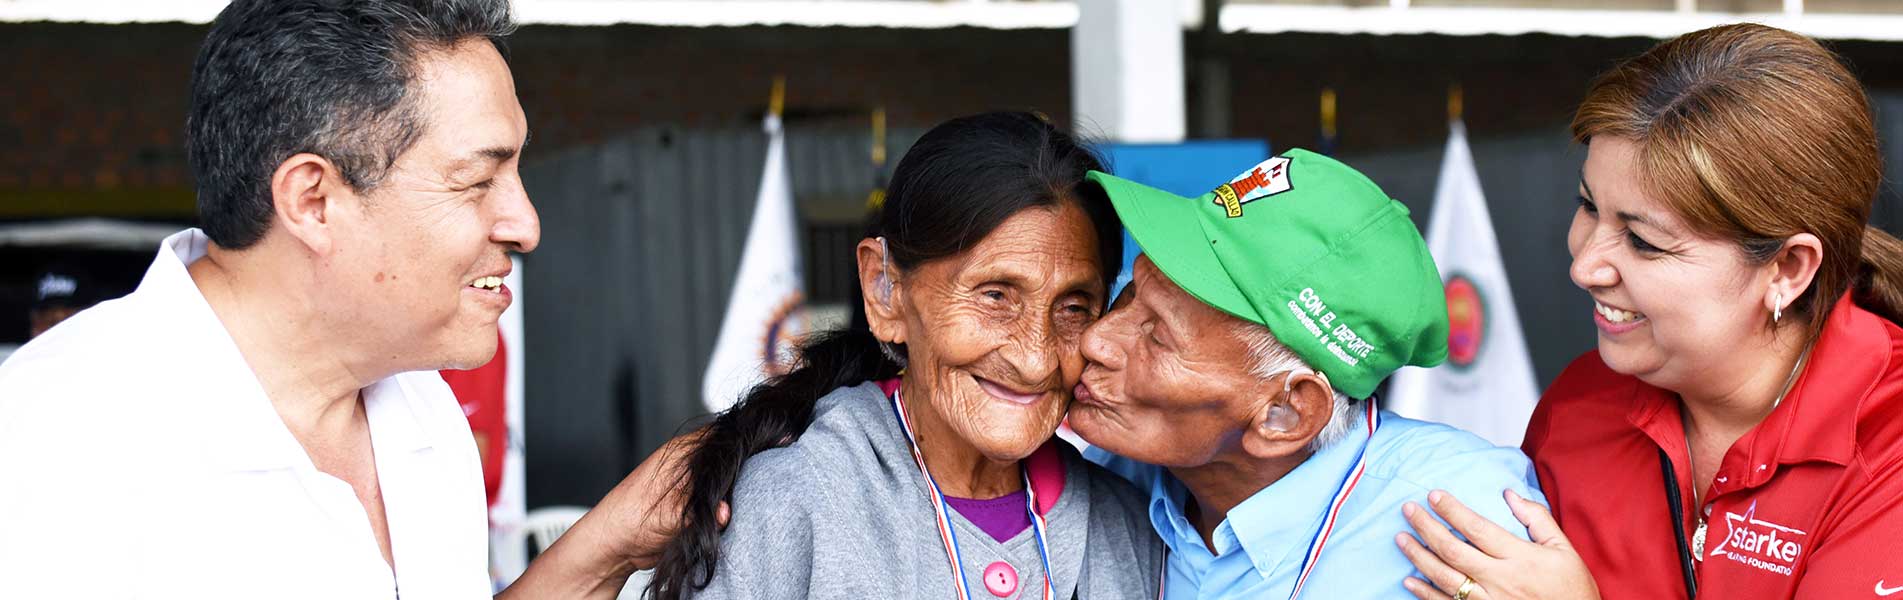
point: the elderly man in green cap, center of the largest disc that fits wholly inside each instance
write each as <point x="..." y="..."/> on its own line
<point x="1233" y="381"/>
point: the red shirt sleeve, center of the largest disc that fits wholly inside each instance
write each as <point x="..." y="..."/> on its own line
<point x="1858" y="555"/>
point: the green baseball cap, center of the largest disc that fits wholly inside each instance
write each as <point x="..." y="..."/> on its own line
<point x="1308" y="247"/>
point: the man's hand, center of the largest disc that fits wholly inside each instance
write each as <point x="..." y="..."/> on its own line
<point x="624" y="533"/>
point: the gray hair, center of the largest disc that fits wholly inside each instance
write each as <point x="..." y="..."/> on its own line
<point x="1270" y="357"/>
<point x="278" y="77"/>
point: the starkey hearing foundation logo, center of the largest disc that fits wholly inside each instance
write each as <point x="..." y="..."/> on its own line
<point x="1761" y="544"/>
<point x="1269" y="178"/>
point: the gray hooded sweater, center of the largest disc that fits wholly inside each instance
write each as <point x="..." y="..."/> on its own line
<point x="844" y="513"/>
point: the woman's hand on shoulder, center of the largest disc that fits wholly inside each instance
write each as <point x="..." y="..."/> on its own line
<point x="1501" y="565"/>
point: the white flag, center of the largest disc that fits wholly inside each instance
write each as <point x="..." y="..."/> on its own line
<point x="763" y="318"/>
<point x="1487" y="385"/>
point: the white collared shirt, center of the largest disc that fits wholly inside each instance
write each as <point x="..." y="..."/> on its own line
<point x="140" y="458"/>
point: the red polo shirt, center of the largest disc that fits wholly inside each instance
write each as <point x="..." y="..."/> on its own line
<point x="1809" y="504"/>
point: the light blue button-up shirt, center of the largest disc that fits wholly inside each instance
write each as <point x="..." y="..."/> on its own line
<point x="1260" y="546"/>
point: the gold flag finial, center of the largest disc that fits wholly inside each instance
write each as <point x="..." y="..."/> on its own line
<point x="1455" y="103"/>
<point x="1328" y="112"/>
<point x="776" y="103"/>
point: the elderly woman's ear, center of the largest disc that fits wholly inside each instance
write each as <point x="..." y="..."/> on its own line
<point x="880" y="290"/>
<point x="1290" y="416"/>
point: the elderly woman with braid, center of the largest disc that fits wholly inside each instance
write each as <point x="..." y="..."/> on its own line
<point x="1738" y="434"/>
<point x="912" y="456"/>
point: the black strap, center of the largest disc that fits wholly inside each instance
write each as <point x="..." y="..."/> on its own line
<point x="1677" y="505"/>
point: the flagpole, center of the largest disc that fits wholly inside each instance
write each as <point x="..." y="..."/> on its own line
<point x="1328" y="120"/>
<point x="878" y="136"/>
<point x="876" y="198"/>
<point x="776" y="102"/>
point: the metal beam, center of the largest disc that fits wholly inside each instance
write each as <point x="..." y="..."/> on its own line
<point x="900" y="14"/>
<point x="1383" y="20"/>
<point x="1391" y="17"/>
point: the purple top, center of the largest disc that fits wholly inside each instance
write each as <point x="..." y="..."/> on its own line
<point x="1002" y="517"/>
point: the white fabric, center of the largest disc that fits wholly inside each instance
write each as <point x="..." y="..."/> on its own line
<point x="762" y="317"/>
<point x="140" y="458"/>
<point x="1493" y="395"/>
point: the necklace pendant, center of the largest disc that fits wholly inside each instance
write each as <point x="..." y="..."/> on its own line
<point x="1698" y="542"/>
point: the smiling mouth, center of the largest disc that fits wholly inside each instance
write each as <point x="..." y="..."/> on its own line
<point x="1007" y="394"/>
<point x="1617" y="316"/>
<point x="490" y="283"/>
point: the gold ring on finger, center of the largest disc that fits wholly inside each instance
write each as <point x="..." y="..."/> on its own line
<point x="1466" y="587"/>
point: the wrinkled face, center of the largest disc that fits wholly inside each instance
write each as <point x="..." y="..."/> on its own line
<point x="419" y="259"/>
<point x="994" y="331"/>
<point x="1669" y="303"/>
<point x="1166" y="379"/>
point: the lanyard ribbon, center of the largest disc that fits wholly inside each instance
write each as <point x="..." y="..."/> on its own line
<point x="940" y="510"/>
<point x="1334" y="508"/>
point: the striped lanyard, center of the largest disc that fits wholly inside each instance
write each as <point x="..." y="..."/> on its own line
<point x="940" y="509"/>
<point x="1334" y="508"/>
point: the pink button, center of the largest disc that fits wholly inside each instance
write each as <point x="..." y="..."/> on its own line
<point x="1000" y="579"/>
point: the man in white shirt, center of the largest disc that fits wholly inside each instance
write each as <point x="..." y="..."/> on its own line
<point x="261" y="418"/>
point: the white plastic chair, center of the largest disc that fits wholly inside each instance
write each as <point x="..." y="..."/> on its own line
<point x="546" y="524"/>
<point x="636" y="582"/>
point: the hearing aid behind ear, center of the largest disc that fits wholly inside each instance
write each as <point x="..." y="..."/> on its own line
<point x="1282" y="417"/>
<point x="1292" y="373"/>
<point x="890" y="351"/>
<point x="885" y="273"/>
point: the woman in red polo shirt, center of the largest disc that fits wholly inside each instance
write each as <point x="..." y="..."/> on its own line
<point x="1739" y="432"/>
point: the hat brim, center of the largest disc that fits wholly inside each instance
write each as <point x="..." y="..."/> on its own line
<point x="1168" y="230"/>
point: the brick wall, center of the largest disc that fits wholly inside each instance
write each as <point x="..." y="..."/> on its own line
<point x="92" y="116"/>
<point x="93" y="107"/>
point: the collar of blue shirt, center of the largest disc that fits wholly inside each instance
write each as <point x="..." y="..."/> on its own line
<point x="1260" y="545"/>
<point x="1274" y="526"/>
